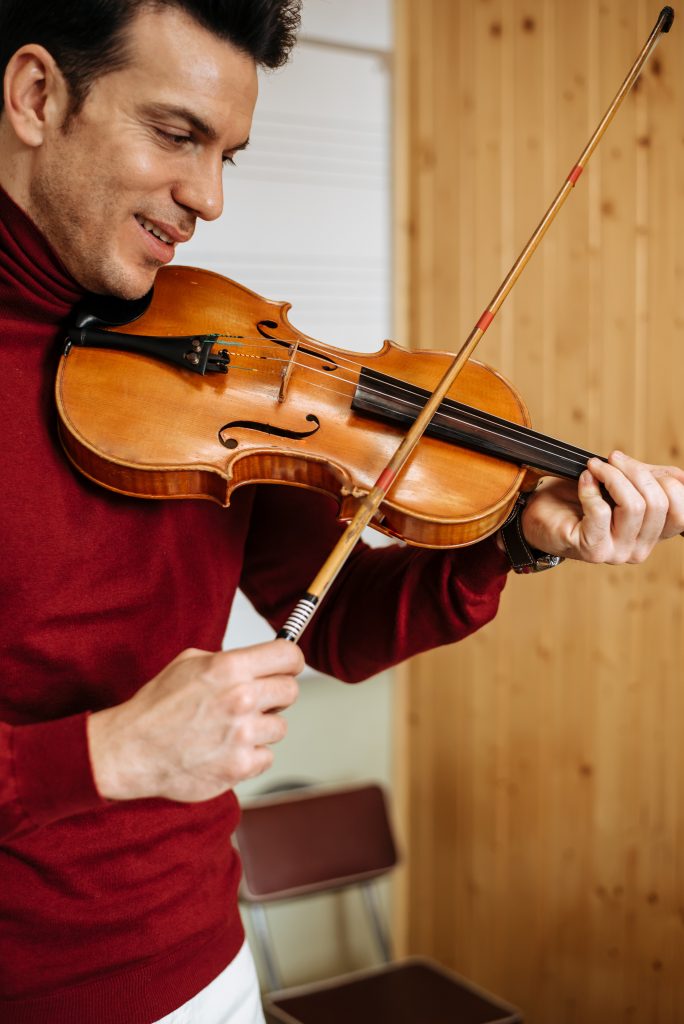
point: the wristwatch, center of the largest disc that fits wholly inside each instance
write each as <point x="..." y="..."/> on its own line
<point x="522" y="557"/>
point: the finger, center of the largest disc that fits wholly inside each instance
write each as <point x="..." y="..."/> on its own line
<point x="268" y="729"/>
<point x="629" y="505"/>
<point x="276" y="657"/>
<point x="275" y="693"/>
<point x="668" y="471"/>
<point x="674" y="522"/>
<point x="262" y="760"/>
<point x="260" y="695"/>
<point x="255" y="731"/>
<point x="597" y="517"/>
<point x="655" y="500"/>
<point x="671" y="479"/>
<point x="247" y="764"/>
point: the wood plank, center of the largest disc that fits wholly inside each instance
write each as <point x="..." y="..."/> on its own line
<point x="543" y="756"/>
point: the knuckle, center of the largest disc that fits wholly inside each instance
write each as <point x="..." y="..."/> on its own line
<point x="626" y="555"/>
<point x="291" y="690"/>
<point x="663" y="502"/>
<point x="293" y="659"/>
<point x="221" y="664"/>
<point x="636" y="505"/>
<point x="240" y="765"/>
<point x="189" y="652"/>
<point x="239" y="700"/>
<point x="640" y="554"/>
<point x="263" y="761"/>
<point x="602" y="514"/>
<point x="657" y="498"/>
<point x="242" y="735"/>
<point x="670" y="485"/>
<point x="280" y="729"/>
<point x="598" y="554"/>
<point x="230" y="666"/>
<point x="660" y="509"/>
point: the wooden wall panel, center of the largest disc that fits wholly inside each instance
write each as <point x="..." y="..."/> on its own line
<point x="543" y="756"/>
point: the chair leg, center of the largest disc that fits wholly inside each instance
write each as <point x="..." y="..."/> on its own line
<point x="370" y="895"/>
<point x="263" y="941"/>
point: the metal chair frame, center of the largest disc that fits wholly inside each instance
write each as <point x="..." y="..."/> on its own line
<point x="349" y="838"/>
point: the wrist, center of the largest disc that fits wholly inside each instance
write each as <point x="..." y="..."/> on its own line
<point x="109" y="761"/>
<point x="511" y="539"/>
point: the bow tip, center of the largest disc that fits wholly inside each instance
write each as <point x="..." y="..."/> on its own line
<point x="667" y="15"/>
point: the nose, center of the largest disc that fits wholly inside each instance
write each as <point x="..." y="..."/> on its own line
<point x="201" y="189"/>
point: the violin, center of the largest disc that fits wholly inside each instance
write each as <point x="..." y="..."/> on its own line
<point x="275" y="406"/>
<point x="211" y="388"/>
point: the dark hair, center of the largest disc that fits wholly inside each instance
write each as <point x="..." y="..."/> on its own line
<point x="87" y="37"/>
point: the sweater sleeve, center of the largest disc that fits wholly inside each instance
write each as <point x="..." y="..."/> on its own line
<point x="386" y="605"/>
<point x="45" y="774"/>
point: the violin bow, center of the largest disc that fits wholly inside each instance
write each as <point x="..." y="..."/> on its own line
<point x="305" y="609"/>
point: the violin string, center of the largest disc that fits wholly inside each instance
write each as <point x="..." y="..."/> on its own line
<point x="487" y="422"/>
<point x="492" y="425"/>
<point x="549" y="447"/>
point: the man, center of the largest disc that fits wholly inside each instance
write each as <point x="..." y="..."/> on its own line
<point x="121" y="733"/>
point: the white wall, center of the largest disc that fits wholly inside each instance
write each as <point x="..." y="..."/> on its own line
<point x="307" y="208"/>
<point x="307" y="220"/>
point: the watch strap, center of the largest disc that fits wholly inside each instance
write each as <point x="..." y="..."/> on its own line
<point x="521" y="555"/>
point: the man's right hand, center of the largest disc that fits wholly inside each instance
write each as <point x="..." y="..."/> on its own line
<point x="199" y="727"/>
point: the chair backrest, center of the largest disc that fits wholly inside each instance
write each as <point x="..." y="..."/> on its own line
<point x="310" y="841"/>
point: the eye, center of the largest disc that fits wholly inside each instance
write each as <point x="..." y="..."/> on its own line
<point x="229" y="160"/>
<point x="173" y="138"/>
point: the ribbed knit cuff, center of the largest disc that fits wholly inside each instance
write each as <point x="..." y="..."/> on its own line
<point x="52" y="770"/>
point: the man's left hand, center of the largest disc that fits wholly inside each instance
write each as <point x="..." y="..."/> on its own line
<point x="576" y="521"/>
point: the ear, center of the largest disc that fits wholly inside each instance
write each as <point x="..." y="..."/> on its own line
<point x="36" y="94"/>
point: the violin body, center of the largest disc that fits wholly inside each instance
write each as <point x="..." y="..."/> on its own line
<point x="282" y="413"/>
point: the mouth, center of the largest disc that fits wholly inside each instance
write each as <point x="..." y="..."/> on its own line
<point x="154" y="230"/>
<point x="160" y="238"/>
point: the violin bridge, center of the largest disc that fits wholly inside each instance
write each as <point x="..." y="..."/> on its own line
<point x="286" y="373"/>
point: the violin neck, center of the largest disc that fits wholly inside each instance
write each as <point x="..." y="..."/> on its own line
<point x="400" y="402"/>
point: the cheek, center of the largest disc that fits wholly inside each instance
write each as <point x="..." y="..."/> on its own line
<point x="117" y="174"/>
<point x="139" y="169"/>
<point x="58" y="197"/>
<point x="113" y="191"/>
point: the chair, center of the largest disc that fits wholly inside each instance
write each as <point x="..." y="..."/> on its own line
<point x="309" y="841"/>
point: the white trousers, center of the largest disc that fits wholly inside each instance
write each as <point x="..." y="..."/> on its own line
<point x="231" y="998"/>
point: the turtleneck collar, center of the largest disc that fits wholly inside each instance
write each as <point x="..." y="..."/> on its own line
<point x="34" y="284"/>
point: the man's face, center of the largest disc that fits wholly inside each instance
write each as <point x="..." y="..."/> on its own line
<point x="146" y="151"/>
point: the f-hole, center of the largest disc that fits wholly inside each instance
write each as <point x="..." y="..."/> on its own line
<point x="230" y="442"/>
<point x="265" y="326"/>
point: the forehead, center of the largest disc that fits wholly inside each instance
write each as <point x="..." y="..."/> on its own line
<point x="176" y="61"/>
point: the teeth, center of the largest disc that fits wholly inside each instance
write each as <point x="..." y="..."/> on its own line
<point x="149" y="226"/>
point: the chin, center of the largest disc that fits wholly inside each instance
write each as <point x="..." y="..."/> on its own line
<point x="126" y="284"/>
<point x="132" y="292"/>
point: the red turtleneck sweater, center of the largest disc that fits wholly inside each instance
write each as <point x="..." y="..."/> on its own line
<point x="117" y="913"/>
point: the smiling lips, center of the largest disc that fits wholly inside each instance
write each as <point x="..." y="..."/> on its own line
<point x="162" y="241"/>
<point x="153" y="229"/>
<point x="166" y="232"/>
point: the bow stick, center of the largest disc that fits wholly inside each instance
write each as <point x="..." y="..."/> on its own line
<point x="368" y="506"/>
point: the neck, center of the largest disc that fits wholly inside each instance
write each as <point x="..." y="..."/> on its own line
<point x="15" y="164"/>
<point x="34" y="284"/>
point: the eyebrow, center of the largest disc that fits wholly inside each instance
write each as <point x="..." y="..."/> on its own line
<point x="200" y="126"/>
